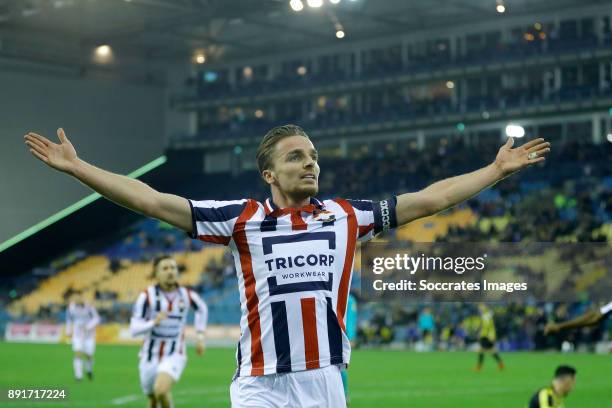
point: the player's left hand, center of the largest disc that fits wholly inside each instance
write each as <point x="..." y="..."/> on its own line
<point x="511" y="160"/>
<point x="200" y="347"/>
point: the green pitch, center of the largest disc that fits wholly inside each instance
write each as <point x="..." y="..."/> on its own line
<point x="377" y="378"/>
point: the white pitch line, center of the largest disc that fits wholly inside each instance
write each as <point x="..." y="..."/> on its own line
<point x="184" y="392"/>
<point x="200" y="400"/>
<point x="125" y="400"/>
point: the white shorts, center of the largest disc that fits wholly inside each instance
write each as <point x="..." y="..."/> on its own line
<point x="84" y="344"/>
<point x="320" y="388"/>
<point x="172" y="365"/>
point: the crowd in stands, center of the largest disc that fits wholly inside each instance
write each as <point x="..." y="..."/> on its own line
<point x="454" y="326"/>
<point x="568" y="199"/>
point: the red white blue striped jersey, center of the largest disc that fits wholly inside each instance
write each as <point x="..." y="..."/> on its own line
<point x="294" y="270"/>
<point x="168" y="337"/>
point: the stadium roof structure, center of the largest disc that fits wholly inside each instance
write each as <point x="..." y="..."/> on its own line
<point x="140" y="32"/>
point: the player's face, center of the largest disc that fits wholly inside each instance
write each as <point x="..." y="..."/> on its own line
<point x="566" y="384"/>
<point x="295" y="171"/>
<point x="167" y="272"/>
<point x="78" y="298"/>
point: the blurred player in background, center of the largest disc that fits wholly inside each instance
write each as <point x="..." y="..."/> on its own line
<point x="553" y="395"/>
<point x="590" y="318"/>
<point x="81" y="321"/>
<point x="351" y="333"/>
<point x="487" y="337"/>
<point x="160" y="313"/>
<point x="293" y="341"/>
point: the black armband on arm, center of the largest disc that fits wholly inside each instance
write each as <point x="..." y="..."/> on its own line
<point x="385" y="217"/>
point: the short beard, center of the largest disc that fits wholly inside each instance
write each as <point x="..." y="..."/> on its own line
<point x="307" y="192"/>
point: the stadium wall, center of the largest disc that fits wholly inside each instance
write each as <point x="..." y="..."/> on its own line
<point x="115" y="125"/>
<point x="113" y="333"/>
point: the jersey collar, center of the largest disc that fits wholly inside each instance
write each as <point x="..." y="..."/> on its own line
<point x="315" y="206"/>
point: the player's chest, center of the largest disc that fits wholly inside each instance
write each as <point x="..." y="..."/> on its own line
<point x="294" y="222"/>
<point x="81" y="314"/>
<point x="289" y="242"/>
<point x="176" y="307"/>
<point x="286" y="259"/>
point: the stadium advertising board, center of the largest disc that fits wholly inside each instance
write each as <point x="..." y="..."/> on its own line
<point x="35" y="333"/>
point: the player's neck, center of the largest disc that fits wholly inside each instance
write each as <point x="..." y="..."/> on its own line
<point x="168" y="288"/>
<point x="282" y="200"/>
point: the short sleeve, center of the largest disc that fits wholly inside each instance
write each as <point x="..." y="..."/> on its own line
<point x="545" y="399"/>
<point x="374" y="217"/>
<point x="606" y="309"/>
<point x="213" y="221"/>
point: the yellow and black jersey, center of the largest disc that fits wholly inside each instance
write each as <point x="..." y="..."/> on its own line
<point x="487" y="326"/>
<point x="546" y="398"/>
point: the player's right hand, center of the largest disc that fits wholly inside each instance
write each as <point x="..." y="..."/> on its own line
<point x="160" y="316"/>
<point x="61" y="156"/>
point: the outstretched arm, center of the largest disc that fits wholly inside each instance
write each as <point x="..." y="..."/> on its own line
<point x="452" y="191"/>
<point x="127" y="192"/>
<point x="589" y="318"/>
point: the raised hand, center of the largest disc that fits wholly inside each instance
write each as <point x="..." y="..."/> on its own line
<point x="511" y="160"/>
<point x="61" y="156"/>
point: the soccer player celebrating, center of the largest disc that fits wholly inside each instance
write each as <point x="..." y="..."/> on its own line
<point x="590" y="318"/>
<point x="81" y="321"/>
<point x="488" y="336"/>
<point x="293" y="254"/>
<point x="553" y="395"/>
<point x="160" y="313"/>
